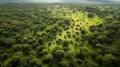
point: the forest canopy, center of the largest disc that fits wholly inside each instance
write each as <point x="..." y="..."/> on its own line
<point x="59" y="35"/>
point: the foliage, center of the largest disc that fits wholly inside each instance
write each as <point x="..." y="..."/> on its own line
<point x="59" y="35"/>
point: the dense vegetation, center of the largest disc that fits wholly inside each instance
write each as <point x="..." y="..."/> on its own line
<point x="59" y="35"/>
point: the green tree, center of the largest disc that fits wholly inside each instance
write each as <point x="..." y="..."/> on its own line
<point x="58" y="53"/>
<point x="89" y="63"/>
<point x="17" y="60"/>
<point x="47" y="59"/>
<point x="26" y="48"/>
<point x="108" y="60"/>
<point x="7" y="42"/>
<point x="35" y="62"/>
<point x="66" y="43"/>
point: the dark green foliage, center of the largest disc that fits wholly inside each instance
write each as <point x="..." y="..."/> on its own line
<point x="47" y="59"/>
<point x="90" y="15"/>
<point x="40" y="41"/>
<point x="66" y="43"/>
<point x="7" y="42"/>
<point x="58" y="54"/>
<point x="63" y="64"/>
<point x="67" y="22"/>
<point x="89" y="63"/>
<point x="34" y="62"/>
<point x="25" y="48"/>
<point x="17" y="60"/>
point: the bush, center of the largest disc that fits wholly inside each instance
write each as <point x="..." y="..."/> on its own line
<point x="89" y="63"/>
<point x="25" y="48"/>
<point x="7" y="42"/>
<point x="47" y="59"/>
<point x="66" y="43"/>
<point x="17" y="60"/>
<point x="90" y="15"/>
